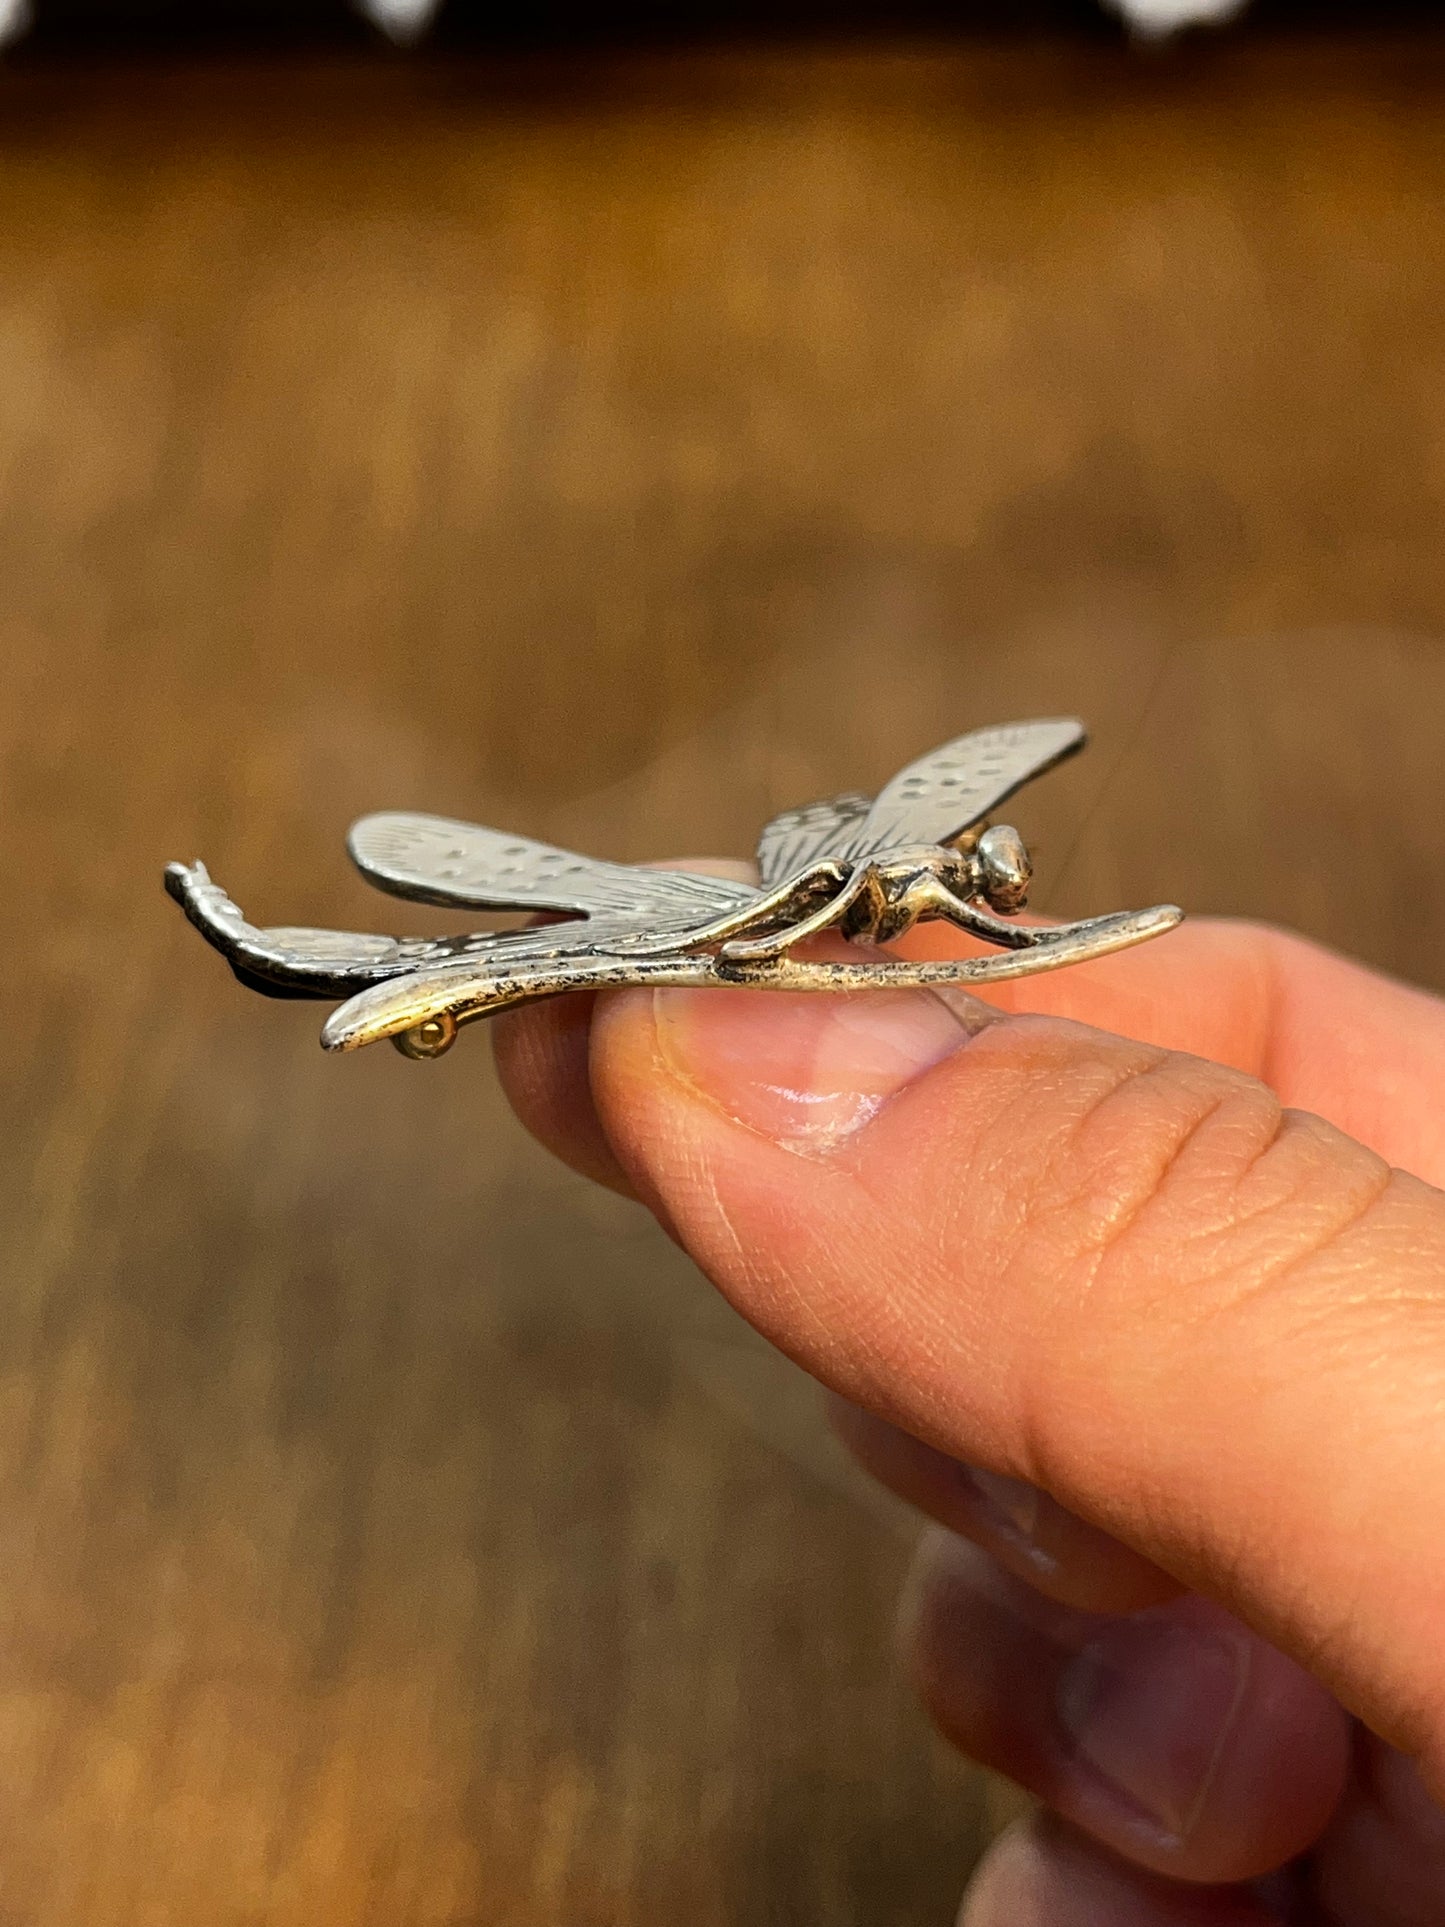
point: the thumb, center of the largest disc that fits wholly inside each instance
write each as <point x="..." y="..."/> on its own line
<point x="1213" y="1327"/>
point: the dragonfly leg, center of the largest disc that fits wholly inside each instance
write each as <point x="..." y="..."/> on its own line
<point x="788" y="901"/>
<point x="1068" y="943"/>
<point x="968" y="915"/>
<point x="1049" y="937"/>
<point x="825" y="917"/>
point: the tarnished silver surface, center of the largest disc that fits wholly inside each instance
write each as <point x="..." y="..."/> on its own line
<point x="870" y="869"/>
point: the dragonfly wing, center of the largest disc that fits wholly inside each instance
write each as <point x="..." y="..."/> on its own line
<point x="293" y="962"/>
<point x="336" y="963"/>
<point x="436" y="860"/>
<point x="942" y="794"/>
<point x="464" y="990"/>
<point x="796" y="839"/>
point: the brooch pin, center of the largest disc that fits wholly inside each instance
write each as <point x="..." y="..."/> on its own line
<point x="868" y="867"/>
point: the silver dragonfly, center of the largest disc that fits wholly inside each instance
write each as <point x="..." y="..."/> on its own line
<point x="869" y="868"/>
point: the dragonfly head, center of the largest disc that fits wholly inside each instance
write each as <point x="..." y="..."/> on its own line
<point x="1004" y="869"/>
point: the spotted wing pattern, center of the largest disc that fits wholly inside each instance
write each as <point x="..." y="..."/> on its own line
<point x="436" y="860"/>
<point x="798" y="838"/>
<point x="942" y="794"/>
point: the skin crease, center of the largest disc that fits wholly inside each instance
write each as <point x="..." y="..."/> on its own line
<point x="1237" y="1399"/>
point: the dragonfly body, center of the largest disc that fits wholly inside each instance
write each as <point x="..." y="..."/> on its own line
<point x="868" y="868"/>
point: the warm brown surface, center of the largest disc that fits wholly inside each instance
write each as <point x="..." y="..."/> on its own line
<point x="395" y="1532"/>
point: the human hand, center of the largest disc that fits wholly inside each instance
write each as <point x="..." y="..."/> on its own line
<point x="1159" y="1348"/>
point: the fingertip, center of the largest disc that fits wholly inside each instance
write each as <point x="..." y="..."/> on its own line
<point x="743" y="1207"/>
<point x="1028" y="1532"/>
<point x="1174" y="1735"/>
<point x="542" y="1055"/>
<point x="1040" y="1874"/>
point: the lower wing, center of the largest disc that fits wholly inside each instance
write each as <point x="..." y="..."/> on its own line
<point x="285" y="962"/>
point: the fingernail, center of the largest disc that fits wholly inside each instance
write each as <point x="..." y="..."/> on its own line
<point x="808" y="1069"/>
<point x="1149" y="1705"/>
<point x="1009" y="1509"/>
<point x="1009" y="1503"/>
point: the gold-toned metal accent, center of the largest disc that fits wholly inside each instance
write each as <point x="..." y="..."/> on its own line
<point x="433" y="1038"/>
<point x="869" y="869"/>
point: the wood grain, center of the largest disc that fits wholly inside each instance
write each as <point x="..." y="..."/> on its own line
<point x="618" y="448"/>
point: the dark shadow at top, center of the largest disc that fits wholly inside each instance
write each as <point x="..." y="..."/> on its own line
<point x="89" y="27"/>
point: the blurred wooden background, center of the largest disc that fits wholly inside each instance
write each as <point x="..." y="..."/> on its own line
<point x="617" y="447"/>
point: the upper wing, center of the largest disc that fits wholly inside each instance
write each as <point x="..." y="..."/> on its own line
<point x="941" y="794"/>
<point x="436" y="860"/>
<point x="798" y="838"/>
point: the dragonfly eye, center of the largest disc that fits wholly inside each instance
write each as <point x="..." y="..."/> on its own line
<point x="1004" y="868"/>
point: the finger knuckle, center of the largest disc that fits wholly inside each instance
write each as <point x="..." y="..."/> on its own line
<point x="1163" y="1194"/>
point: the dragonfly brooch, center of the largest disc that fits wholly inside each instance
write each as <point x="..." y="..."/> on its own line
<point x="869" y="868"/>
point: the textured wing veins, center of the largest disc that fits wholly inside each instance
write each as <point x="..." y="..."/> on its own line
<point x="796" y="839"/>
<point x="435" y="860"/>
<point x="945" y="792"/>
